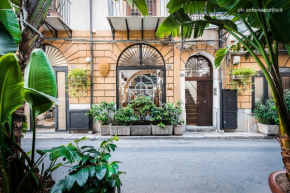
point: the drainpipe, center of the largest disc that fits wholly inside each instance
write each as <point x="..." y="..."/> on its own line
<point x="221" y="86"/>
<point x="92" y="60"/>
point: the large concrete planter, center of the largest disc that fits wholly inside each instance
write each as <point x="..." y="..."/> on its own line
<point x="268" y="129"/>
<point x="156" y="130"/>
<point x="141" y="130"/>
<point x="119" y="130"/>
<point x="105" y="130"/>
<point x="178" y="130"/>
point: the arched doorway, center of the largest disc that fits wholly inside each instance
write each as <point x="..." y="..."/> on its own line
<point x="140" y="71"/>
<point x="56" y="118"/>
<point x="199" y="91"/>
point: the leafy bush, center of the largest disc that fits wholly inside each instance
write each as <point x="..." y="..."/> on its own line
<point x="125" y="116"/>
<point x="93" y="171"/>
<point x="246" y="71"/>
<point x="164" y="115"/>
<point x="142" y="106"/>
<point x="267" y="113"/>
<point x="178" y="111"/>
<point x="103" y="112"/>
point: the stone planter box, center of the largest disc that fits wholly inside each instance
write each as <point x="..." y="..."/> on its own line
<point x="119" y="130"/>
<point x="178" y="130"/>
<point x="141" y="130"/>
<point x="105" y="129"/>
<point x="156" y="130"/>
<point x="268" y="129"/>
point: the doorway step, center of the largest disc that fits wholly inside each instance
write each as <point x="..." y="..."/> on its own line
<point x="191" y="109"/>
<point x="194" y="128"/>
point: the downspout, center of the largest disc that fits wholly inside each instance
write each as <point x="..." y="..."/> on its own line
<point x="221" y="85"/>
<point x="92" y="60"/>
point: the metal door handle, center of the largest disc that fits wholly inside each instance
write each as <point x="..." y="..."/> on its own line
<point x="204" y="101"/>
<point x="197" y="102"/>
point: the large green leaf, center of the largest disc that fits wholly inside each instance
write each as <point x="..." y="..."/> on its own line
<point x="101" y="171"/>
<point x="39" y="74"/>
<point x="40" y="82"/>
<point x="280" y="25"/>
<point x="69" y="181"/>
<point x="140" y="4"/>
<point x="5" y="4"/>
<point x="82" y="176"/>
<point x="7" y="43"/>
<point x="11" y="86"/>
<point x="9" y="20"/>
<point x="179" y="20"/>
<point x="40" y="102"/>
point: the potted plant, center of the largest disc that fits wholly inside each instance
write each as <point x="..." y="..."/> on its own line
<point x="267" y="117"/>
<point x="78" y="82"/>
<point x="90" y="169"/>
<point x="142" y="106"/>
<point x="178" y="124"/>
<point x="123" y="120"/>
<point x="103" y="112"/>
<point x="241" y="78"/>
<point x="162" y="119"/>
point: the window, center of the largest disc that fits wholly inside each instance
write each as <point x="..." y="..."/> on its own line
<point x="261" y="89"/>
<point x="151" y="4"/>
<point x="140" y="71"/>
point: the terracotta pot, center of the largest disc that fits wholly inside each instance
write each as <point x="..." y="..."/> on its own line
<point x="272" y="182"/>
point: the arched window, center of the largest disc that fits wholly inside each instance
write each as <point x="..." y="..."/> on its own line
<point x="140" y="71"/>
<point x="198" y="66"/>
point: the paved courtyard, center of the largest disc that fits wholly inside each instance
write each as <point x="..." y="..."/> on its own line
<point x="189" y="166"/>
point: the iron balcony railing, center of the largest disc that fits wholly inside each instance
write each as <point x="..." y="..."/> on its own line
<point x="60" y="8"/>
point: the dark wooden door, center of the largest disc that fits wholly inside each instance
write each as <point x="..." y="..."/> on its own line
<point x="204" y="103"/>
<point x="230" y="109"/>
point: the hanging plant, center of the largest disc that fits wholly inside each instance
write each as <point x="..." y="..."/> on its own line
<point x="78" y="82"/>
<point x="241" y="78"/>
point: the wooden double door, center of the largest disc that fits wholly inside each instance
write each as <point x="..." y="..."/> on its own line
<point x="204" y="102"/>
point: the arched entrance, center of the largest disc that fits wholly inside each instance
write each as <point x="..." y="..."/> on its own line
<point x="199" y="91"/>
<point x="140" y="71"/>
<point x="56" y="118"/>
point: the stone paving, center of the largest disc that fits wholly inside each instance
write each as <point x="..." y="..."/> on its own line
<point x="187" y="135"/>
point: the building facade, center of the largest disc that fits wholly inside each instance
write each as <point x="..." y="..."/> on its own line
<point x="80" y="35"/>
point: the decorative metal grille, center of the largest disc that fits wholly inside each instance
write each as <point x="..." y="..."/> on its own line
<point x="54" y="55"/>
<point x="198" y="66"/>
<point x="142" y="85"/>
<point x="151" y="5"/>
<point x="140" y="55"/>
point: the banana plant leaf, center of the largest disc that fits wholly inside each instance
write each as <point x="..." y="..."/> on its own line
<point x="11" y="86"/>
<point x="140" y="4"/>
<point x="5" y="4"/>
<point x="7" y="43"/>
<point x="9" y="20"/>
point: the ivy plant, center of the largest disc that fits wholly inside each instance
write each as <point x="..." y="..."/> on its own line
<point x="241" y="78"/>
<point x="92" y="171"/>
<point x="103" y="112"/>
<point x="77" y="82"/>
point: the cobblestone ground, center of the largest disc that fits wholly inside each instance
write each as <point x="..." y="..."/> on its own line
<point x="189" y="166"/>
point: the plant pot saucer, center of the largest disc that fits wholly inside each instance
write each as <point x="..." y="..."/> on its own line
<point x="274" y="187"/>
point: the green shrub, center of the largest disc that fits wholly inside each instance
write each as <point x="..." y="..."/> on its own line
<point x="165" y="115"/>
<point x="142" y="106"/>
<point x="125" y="116"/>
<point x="103" y="112"/>
<point x="267" y="114"/>
<point x="90" y="169"/>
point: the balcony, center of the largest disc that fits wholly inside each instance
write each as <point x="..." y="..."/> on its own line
<point x="58" y="18"/>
